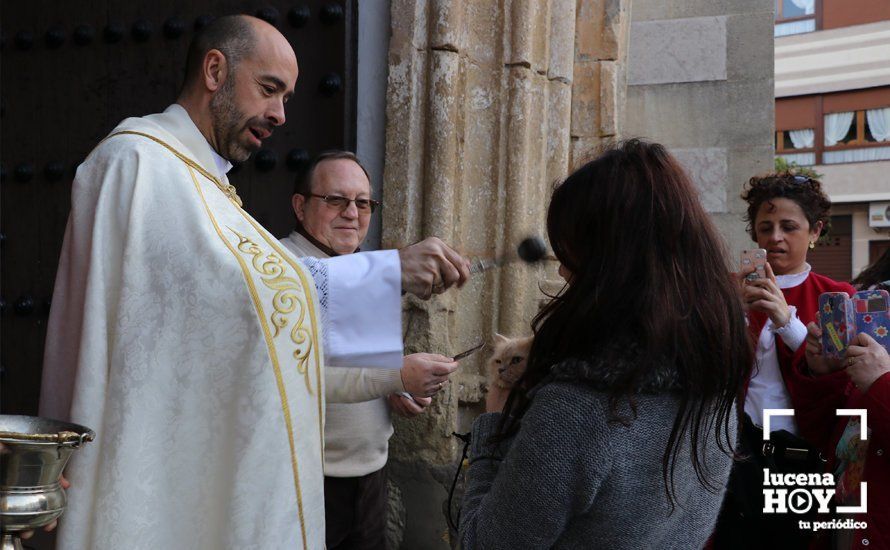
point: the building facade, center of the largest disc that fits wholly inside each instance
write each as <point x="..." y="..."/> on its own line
<point x="833" y="115"/>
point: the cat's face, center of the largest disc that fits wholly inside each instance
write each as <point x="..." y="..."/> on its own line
<point x="508" y="360"/>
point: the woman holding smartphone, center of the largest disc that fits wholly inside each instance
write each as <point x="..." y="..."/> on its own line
<point x="786" y="214"/>
<point x="858" y="463"/>
<point x="619" y="433"/>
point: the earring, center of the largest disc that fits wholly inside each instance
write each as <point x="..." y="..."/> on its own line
<point x="812" y="245"/>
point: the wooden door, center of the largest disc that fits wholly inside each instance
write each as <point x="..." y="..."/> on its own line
<point x="876" y="249"/>
<point x="833" y="255"/>
<point x="72" y="70"/>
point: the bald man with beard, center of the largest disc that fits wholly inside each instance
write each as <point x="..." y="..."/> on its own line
<point x="191" y="340"/>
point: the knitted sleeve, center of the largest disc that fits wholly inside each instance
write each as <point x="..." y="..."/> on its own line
<point x="523" y="492"/>
<point x="356" y="385"/>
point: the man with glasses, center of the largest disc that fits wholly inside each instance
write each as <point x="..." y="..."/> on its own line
<point x="333" y="204"/>
<point x="190" y="339"/>
<point x="333" y="208"/>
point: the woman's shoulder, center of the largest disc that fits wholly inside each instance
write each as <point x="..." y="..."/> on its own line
<point x="827" y="284"/>
<point x="561" y="393"/>
<point x="591" y="421"/>
<point x="619" y="366"/>
<point x="570" y="417"/>
<point x="586" y="386"/>
<point x="558" y="397"/>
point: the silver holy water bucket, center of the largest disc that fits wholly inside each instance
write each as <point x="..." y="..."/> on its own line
<point x="33" y="453"/>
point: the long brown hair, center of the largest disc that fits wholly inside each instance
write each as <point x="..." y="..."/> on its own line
<point x="648" y="271"/>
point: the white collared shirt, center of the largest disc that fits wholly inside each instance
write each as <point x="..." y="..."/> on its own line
<point x="767" y="390"/>
<point x="222" y="164"/>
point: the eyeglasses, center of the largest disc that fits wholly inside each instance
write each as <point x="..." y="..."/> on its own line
<point x="365" y="206"/>
<point x="800" y="180"/>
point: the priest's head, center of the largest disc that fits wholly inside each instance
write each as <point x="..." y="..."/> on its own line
<point x="240" y="72"/>
<point x="332" y="202"/>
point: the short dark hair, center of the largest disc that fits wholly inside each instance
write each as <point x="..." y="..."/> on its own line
<point x="233" y="35"/>
<point x="303" y="185"/>
<point x="805" y="191"/>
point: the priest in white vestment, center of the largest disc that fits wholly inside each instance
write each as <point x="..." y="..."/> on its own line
<point x="187" y="337"/>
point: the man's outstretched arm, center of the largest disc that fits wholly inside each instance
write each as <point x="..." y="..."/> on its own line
<point x="360" y="298"/>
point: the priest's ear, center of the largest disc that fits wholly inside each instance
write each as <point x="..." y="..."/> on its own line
<point x="298" y="201"/>
<point x="214" y="70"/>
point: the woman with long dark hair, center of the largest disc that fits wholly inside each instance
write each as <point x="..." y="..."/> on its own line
<point x="619" y="434"/>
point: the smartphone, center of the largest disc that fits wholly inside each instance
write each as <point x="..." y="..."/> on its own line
<point x="838" y="323"/>
<point x="870" y="310"/>
<point x="757" y="258"/>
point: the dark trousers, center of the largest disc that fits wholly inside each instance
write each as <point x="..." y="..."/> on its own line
<point x="355" y="512"/>
<point x="742" y="523"/>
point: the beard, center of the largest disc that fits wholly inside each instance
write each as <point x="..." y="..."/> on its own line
<point x="228" y="123"/>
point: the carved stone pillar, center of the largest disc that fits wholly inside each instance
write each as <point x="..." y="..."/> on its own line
<point x="488" y="104"/>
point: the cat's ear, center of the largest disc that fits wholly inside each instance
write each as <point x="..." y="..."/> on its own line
<point x="500" y="339"/>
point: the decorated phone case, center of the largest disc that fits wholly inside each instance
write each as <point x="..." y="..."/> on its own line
<point x="757" y="258"/>
<point x="870" y="309"/>
<point x="837" y="322"/>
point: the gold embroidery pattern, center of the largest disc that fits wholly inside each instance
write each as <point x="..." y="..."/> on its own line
<point x="273" y="356"/>
<point x="287" y="299"/>
<point x="297" y="336"/>
<point x="310" y="286"/>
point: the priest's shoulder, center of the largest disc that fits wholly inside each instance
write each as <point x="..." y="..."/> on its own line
<point x="827" y="284"/>
<point x="122" y="149"/>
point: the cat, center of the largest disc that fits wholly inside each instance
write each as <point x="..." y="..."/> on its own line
<point x="508" y="360"/>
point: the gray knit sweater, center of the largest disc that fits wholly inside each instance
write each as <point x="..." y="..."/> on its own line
<point x="571" y="478"/>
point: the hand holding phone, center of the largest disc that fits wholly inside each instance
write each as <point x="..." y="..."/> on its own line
<point x="871" y="310"/>
<point x="837" y="322"/>
<point x="755" y="258"/>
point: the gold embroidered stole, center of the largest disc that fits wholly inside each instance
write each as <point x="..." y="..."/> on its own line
<point x="283" y="298"/>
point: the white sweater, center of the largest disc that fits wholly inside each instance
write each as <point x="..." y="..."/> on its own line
<point x="357" y="422"/>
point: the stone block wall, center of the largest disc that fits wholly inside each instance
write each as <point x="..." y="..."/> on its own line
<point x="700" y="81"/>
<point x="488" y="103"/>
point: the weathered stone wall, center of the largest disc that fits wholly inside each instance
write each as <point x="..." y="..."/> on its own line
<point x="488" y="103"/>
<point x="700" y="81"/>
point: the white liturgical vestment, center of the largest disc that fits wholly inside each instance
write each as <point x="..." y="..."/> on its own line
<point x="186" y="336"/>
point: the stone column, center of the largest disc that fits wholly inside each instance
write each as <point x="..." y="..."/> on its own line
<point x="488" y="102"/>
<point x="600" y="82"/>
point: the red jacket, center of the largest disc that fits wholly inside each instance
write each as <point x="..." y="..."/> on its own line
<point x="816" y="400"/>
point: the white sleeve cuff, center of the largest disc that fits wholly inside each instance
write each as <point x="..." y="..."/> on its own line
<point x="794" y="332"/>
<point x="364" y="310"/>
